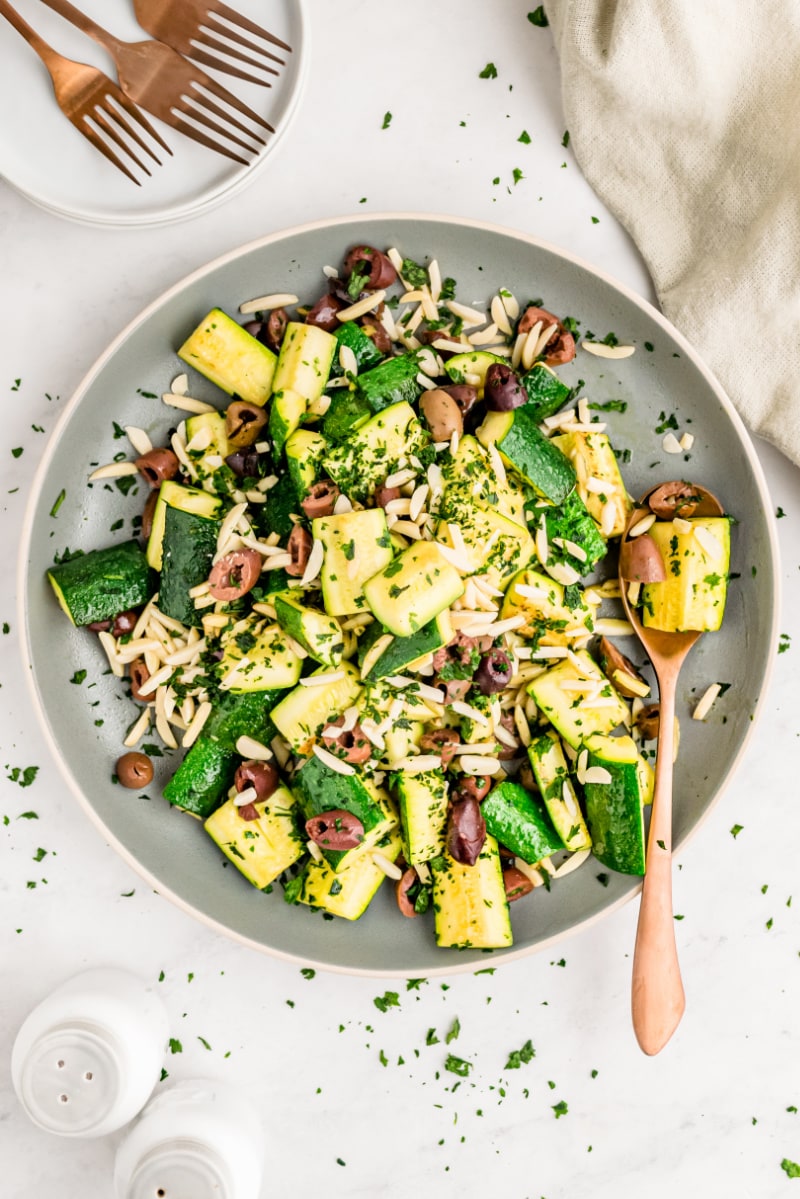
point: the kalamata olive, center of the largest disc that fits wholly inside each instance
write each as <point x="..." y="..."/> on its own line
<point x="473" y="786"/>
<point x="263" y="776"/>
<point x="299" y="546"/>
<point x="494" y="672"/>
<point x="673" y="499"/>
<point x="234" y="574"/>
<point x="640" y="560"/>
<point x="617" y="668"/>
<point x="463" y="394"/>
<point x="384" y="495"/>
<point x="647" y="722"/>
<point x="254" y="328"/>
<point x="502" y="389"/>
<point x="243" y="422"/>
<point x="139" y="674"/>
<point x="247" y="811"/>
<point x="365" y="260"/>
<point x="99" y="626"/>
<point x="134" y="770"/>
<point x="442" y="414"/>
<point x="374" y="329"/>
<point x="466" y="831"/>
<point x="454" y="689"/>
<point x="560" y="346"/>
<point x="274" y="328"/>
<point x="124" y="622"/>
<point x="516" y="883"/>
<point x="249" y="463"/>
<point x="402" y="889"/>
<point x="507" y="753"/>
<point x="337" y="829"/>
<point x="147" y="514"/>
<point x="441" y="741"/>
<point x="351" y="744"/>
<point x="323" y="313"/>
<point x="158" y="465"/>
<point x="321" y="499"/>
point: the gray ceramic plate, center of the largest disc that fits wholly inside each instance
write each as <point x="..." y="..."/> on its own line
<point x="663" y="377"/>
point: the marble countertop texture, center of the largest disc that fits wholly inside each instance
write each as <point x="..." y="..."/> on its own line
<point x="355" y="1100"/>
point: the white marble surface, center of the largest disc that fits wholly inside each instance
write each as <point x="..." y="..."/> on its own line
<point x="712" y="1116"/>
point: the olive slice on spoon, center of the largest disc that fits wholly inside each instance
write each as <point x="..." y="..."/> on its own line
<point x="657" y="996"/>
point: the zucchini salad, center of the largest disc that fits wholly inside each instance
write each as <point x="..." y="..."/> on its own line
<point x="366" y="603"/>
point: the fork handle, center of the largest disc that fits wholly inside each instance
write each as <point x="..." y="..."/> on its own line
<point x="45" y="51"/>
<point x="84" y="23"/>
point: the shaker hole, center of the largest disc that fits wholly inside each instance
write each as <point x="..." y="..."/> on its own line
<point x="161" y="1192"/>
<point x="88" y="1076"/>
<point x="61" y="1063"/>
<point x="64" y="1098"/>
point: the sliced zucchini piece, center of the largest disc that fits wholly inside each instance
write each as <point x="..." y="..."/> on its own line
<point x="697" y="564"/>
<point x="276" y="514"/>
<point x="101" y="584"/>
<point x="261" y="849"/>
<point x="255" y="657"/>
<point x="362" y="462"/>
<point x="211" y="431"/>
<point x="203" y="777"/>
<point x="350" y="893"/>
<point x="190" y="542"/>
<point x="520" y="822"/>
<point x="405" y="652"/>
<point x="304" y="453"/>
<point x="423" y="813"/>
<point x="566" y="694"/>
<point x="356" y="339"/>
<point x="552" y="777"/>
<point x="301" y="373"/>
<point x="230" y="357"/>
<point x="320" y="789"/>
<point x="356" y="546"/>
<point x="347" y="413"/>
<point x="546" y="392"/>
<point x="186" y="499"/>
<point x="493" y="544"/>
<point x="392" y="382"/>
<point x="593" y="458"/>
<point x="301" y="714"/>
<point x="523" y="446"/>
<point x="469" y="902"/>
<point x="413" y="589"/>
<point x="471" y="367"/>
<point x="548" y="618"/>
<point x="614" y="808"/>
<point x="319" y="635"/>
<point x="570" y="522"/>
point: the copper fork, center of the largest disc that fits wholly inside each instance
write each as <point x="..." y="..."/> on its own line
<point x="193" y="27"/>
<point x="91" y="101"/>
<point x="162" y="82"/>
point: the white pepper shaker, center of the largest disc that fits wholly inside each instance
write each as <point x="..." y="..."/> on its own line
<point x="85" y="1061"/>
<point x="194" y="1140"/>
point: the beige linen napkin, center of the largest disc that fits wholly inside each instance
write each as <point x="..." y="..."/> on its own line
<point x="685" y="118"/>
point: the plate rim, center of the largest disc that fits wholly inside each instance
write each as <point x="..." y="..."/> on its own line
<point x="174" y="213"/>
<point x="344" y="221"/>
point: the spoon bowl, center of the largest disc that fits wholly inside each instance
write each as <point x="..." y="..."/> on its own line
<point x="657" y="995"/>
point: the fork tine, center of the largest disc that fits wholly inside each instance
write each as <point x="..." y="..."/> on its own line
<point x="130" y="129"/>
<point x="197" y="96"/>
<point x="223" y="10"/>
<point x="215" y="43"/>
<point x="139" y="116"/>
<point x="225" y="31"/>
<point x="190" y="131"/>
<point x="101" y="115"/>
<point x="194" y="110"/>
<point x="90" y="133"/>
<point x="210" y="60"/>
<point x="222" y="93"/>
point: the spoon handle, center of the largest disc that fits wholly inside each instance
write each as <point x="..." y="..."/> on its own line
<point x="657" y="998"/>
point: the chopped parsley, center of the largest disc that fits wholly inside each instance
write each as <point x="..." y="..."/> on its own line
<point x="488" y="72"/>
<point x="175" y="1045"/>
<point x="384" y="1002"/>
<point x="387" y="120"/>
<point x="457" y="1065"/>
<point x="737" y="828"/>
<point x="539" y="17"/>
<point x="560" y="1108"/>
<point x="519" y="1057"/>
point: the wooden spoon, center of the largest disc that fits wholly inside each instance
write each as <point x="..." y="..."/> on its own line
<point x="657" y="997"/>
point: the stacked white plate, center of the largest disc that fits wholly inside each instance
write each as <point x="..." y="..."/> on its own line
<point x="45" y="158"/>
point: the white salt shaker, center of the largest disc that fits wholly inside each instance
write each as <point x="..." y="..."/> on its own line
<point x="86" y="1060"/>
<point x="194" y="1140"/>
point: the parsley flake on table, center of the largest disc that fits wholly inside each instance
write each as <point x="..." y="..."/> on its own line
<point x="790" y="1168"/>
<point x="539" y="17"/>
<point x="24" y="776"/>
<point x="307" y="972"/>
<point x="525" y="138"/>
<point x="204" y="1042"/>
<point x="517" y="175"/>
<point x="384" y="1002"/>
<point x="457" y="1065"/>
<point x="565" y="139"/>
<point x="17" y="451"/>
<point x="520" y="1057"/>
<point x="735" y="830"/>
<point x="455" y="1029"/>
<point x="561" y="1108"/>
<point x="62" y="495"/>
<point x="387" y="120"/>
<point x="784" y="643"/>
<point x="488" y="72"/>
<point x="175" y="1045"/>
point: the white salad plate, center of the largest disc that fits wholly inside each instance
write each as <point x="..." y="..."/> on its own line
<point x="663" y="383"/>
<point x="48" y="161"/>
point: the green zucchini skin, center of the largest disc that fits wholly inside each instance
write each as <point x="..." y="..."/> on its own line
<point x="347" y="410"/>
<point x="546" y="392"/>
<point x="571" y="521"/>
<point x="275" y="514"/>
<point x="353" y="336"/>
<point x="403" y="650"/>
<point x="390" y="383"/>
<point x="101" y="584"/>
<point x="319" y="789"/>
<point x="201" y="782"/>
<point x="520" y="823"/>
<point x="190" y="542"/>
<point x="536" y="458"/>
